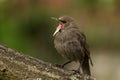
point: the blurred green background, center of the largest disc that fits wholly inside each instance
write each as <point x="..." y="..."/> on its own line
<point x="25" y="25"/>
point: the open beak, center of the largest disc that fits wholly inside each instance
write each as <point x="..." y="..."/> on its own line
<point x="58" y="28"/>
<point x="54" y="18"/>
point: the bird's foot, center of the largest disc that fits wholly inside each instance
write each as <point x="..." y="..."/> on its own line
<point x="59" y="66"/>
<point x="76" y="71"/>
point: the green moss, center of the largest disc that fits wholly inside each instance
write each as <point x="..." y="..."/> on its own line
<point x="4" y="75"/>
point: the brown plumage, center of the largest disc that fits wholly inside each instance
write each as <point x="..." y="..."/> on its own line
<point x="71" y="43"/>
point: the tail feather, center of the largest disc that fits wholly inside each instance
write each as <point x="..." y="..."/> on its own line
<point x="91" y="61"/>
<point x="85" y="66"/>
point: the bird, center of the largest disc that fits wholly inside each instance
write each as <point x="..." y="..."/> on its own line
<point x="71" y="43"/>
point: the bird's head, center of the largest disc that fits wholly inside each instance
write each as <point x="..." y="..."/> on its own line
<point x="64" y="22"/>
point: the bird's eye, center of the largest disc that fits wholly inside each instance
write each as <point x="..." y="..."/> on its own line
<point x="63" y="21"/>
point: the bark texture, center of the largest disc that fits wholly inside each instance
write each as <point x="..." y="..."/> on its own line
<point x="16" y="66"/>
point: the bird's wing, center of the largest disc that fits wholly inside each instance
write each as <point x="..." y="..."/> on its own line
<point x="84" y="44"/>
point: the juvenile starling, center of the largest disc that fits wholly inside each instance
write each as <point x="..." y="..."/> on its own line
<point x="71" y="43"/>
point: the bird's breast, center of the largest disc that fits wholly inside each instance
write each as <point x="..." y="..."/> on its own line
<point x="67" y="45"/>
<point x="59" y="41"/>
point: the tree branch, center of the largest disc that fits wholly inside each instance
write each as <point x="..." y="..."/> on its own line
<point x="17" y="66"/>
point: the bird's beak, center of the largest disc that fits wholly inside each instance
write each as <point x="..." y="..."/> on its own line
<point x="57" y="29"/>
<point x="54" y="18"/>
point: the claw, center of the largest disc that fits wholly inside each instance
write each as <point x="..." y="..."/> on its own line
<point x="76" y="71"/>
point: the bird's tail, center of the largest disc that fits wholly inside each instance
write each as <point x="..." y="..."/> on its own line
<point x="85" y="66"/>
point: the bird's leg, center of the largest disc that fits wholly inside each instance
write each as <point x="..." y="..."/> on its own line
<point x="66" y="63"/>
<point x="62" y="66"/>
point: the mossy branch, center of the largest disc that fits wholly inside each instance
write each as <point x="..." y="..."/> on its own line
<point x="17" y="66"/>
